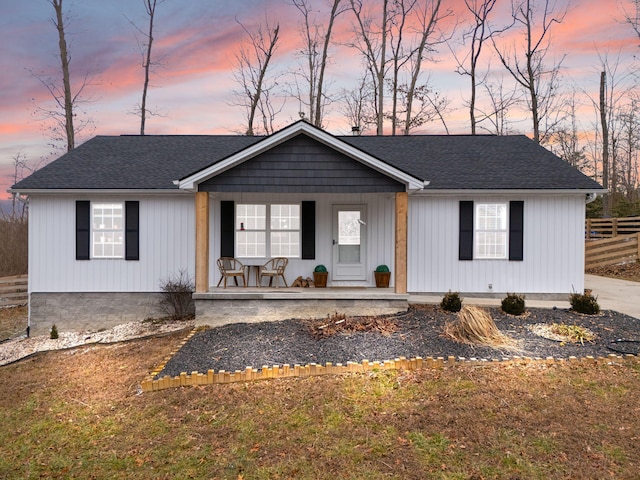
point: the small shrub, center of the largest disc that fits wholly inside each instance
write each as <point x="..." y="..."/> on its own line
<point x="584" y="303"/>
<point x="382" y="269"/>
<point x="53" y="335"/>
<point x="513" y="304"/>
<point x="177" y="297"/>
<point x="320" y="269"/>
<point x="451" y="302"/>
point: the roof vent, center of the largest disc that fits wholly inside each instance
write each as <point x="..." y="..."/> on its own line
<point x="355" y="131"/>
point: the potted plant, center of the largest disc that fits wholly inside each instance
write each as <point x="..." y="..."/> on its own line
<point x="383" y="275"/>
<point x="320" y="275"/>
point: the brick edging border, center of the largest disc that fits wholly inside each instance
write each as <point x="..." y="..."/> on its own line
<point x="250" y="374"/>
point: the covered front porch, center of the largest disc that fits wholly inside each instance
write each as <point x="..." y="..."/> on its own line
<point x="312" y="198"/>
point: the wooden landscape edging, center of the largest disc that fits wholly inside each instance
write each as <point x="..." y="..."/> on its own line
<point x="251" y="374"/>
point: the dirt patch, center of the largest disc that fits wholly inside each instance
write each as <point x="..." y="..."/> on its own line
<point x="626" y="271"/>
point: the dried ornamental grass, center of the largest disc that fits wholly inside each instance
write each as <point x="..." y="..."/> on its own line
<point x="474" y="326"/>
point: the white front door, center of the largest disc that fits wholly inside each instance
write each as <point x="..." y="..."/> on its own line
<point x="349" y="242"/>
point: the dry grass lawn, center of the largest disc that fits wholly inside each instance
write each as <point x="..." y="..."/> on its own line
<point x="78" y="414"/>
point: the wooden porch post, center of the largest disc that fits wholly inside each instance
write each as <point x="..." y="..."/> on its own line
<point x="402" y="211"/>
<point x="202" y="242"/>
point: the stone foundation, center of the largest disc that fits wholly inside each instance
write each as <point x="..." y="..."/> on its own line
<point x="89" y="311"/>
<point x="216" y="309"/>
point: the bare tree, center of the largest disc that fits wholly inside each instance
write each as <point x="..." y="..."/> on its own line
<point x="604" y="124"/>
<point x="66" y="80"/>
<point x="527" y="63"/>
<point x="358" y="107"/>
<point x="476" y="35"/>
<point x="429" y="16"/>
<point x="372" y="41"/>
<point x="566" y="141"/>
<point x="62" y="122"/>
<point x="628" y="150"/>
<point x="394" y="46"/>
<point x="251" y="72"/>
<point x="632" y="16"/>
<point x="617" y="98"/>
<point x="429" y="106"/>
<point x="399" y="56"/>
<point x="147" y="63"/>
<point x="317" y="39"/>
<point x="500" y="102"/>
<point x="18" y="211"/>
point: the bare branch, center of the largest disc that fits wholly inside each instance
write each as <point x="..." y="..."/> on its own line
<point x="251" y="73"/>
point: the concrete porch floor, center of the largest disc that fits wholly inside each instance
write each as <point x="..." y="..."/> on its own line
<point x="220" y="306"/>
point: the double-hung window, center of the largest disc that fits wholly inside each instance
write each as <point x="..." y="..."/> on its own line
<point x="267" y="230"/>
<point x="491" y="231"/>
<point x="107" y="230"/>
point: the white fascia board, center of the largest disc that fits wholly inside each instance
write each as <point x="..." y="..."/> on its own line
<point x="510" y="192"/>
<point x="98" y="191"/>
<point x="190" y="183"/>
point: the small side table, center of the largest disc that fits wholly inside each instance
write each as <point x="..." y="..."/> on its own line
<point x="253" y="264"/>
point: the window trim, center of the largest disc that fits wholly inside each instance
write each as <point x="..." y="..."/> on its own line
<point x="502" y="231"/>
<point x="268" y="230"/>
<point x="115" y="231"/>
<point x="130" y="230"/>
<point x="515" y="231"/>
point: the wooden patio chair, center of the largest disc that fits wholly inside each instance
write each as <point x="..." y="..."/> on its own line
<point x="274" y="268"/>
<point x="230" y="267"/>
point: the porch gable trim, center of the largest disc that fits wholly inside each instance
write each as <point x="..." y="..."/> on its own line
<point x="301" y="127"/>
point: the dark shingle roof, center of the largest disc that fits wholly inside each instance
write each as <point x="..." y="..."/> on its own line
<point x="447" y="162"/>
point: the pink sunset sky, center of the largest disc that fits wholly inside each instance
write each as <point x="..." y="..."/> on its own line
<point x="198" y="39"/>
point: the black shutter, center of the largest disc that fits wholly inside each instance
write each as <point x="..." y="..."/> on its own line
<point x="227" y="229"/>
<point x="83" y="230"/>
<point x="516" y="230"/>
<point x="465" y="248"/>
<point x="308" y="230"/>
<point x="132" y="233"/>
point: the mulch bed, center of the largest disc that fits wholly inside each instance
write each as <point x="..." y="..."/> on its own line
<point x="418" y="332"/>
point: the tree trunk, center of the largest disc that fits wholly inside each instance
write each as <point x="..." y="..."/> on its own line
<point x="317" y="121"/>
<point x="151" y="9"/>
<point x="64" y="58"/>
<point x="606" y="198"/>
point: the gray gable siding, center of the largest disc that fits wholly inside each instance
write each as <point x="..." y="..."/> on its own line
<point x="301" y="165"/>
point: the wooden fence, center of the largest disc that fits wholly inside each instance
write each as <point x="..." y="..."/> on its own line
<point x="611" y="227"/>
<point x="610" y="251"/>
<point x="13" y="290"/>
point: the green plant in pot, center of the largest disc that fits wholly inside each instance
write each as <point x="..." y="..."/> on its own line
<point x="320" y="275"/>
<point x="382" y="275"/>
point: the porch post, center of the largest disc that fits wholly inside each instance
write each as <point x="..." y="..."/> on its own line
<point x="202" y="242"/>
<point x="402" y="211"/>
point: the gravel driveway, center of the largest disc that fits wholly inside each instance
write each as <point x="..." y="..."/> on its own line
<point x="418" y="333"/>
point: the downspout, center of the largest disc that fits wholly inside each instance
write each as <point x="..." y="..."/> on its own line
<point x="590" y="197"/>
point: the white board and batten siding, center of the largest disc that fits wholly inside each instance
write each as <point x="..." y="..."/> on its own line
<point x="553" y="247"/>
<point x="379" y="228"/>
<point x="167" y="245"/>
